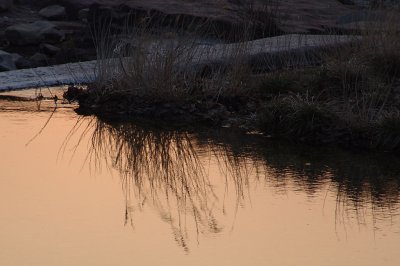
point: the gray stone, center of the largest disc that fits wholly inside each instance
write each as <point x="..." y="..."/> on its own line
<point x="53" y="12"/>
<point x="16" y="57"/>
<point x="5" y="4"/>
<point x="49" y="49"/>
<point x="83" y="14"/>
<point x="264" y="51"/>
<point x="70" y="26"/>
<point x="34" y="33"/>
<point x="22" y="63"/>
<point x="376" y="3"/>
<point x="362" y="15"/>
<point x="6" y="61"/>
<point x="39" y="59"/>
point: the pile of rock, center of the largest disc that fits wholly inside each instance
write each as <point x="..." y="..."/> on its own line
<point x="376" y="3"/>
<point x="57" y="31"/>
<point x="6" y="61"/>
<point x="5" y="4"/>
<point x="32" y="36"/>
<point x="34" y="33"/>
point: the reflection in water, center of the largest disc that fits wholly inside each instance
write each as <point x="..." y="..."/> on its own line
<point x="158" y="168"/>
<point x="167" y="169"/>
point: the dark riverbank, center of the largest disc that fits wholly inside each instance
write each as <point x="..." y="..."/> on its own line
<point x="347" y="97"/>
<point x="346" y="94"/>
<point x="294" y="105"/>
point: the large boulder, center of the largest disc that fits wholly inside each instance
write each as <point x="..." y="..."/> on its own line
<point x="5" y="4"/>
<point x="376" y="3"/>
<point x="305" y="16"/>
<point x="49" y="49"/>
<point x="34" y="33"/>
<point x="6" y="61"/>
<point x="54" y="12"/>
<point x="38" y="60"/>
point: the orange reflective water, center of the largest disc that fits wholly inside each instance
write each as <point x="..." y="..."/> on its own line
<point x="87" y="192"/>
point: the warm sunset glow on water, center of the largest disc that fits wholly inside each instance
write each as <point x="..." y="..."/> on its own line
<point x="226" y="206"/>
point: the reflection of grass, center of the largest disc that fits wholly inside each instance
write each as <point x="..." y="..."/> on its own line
<point x="167" y="169"/>
<point x="163" y="168"/>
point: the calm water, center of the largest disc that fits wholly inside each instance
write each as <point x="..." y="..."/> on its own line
<point x="80" y="191"/>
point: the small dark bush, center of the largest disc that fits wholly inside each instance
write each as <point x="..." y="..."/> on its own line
<point x="275" y="84"/>
<point x="386" y="65"/>
<point x="297" y="118"/>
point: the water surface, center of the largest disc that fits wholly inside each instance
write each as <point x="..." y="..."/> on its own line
<point x="83" y="191"/>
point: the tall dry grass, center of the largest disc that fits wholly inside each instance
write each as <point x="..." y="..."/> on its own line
<point x="352" y="98"/>
<point x="160" y="63"/>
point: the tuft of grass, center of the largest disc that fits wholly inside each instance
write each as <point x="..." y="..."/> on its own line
<point x="297" y="118"/>
<point x="144" y="62"/>
<point x="386" y="65"/>
<point x="273" y="84"/>
<point x="261" y="17"/>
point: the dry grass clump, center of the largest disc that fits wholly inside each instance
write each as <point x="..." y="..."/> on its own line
<point x="297" y="117"/>
<point x="157" y="59"/>
<point x="352" y="98"/>
<point x="262" y="16"/>
<point x="346" y="99"/>
<point x="146" y="63"/>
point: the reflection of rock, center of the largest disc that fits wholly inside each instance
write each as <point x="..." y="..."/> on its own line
<point x="34" y="33"/>
<point x="6" y="61"/>
<point x="5" y="4"/>
<point x="54" y="12"/>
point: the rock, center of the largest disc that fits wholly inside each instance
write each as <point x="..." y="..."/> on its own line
<point x="20" y="61"/>
<point x="3" y="41"/>
<point x="34" y="33"/>
<point x="71" y="26"/>
<point x="362" y="15"/>
<point x="367" y="20"/>
<point x="83" y="14"/>
<point x="5" y="5"/>
<point x="54" y="12"/>
<point x="376" y="3"/>
<point x="16" y="57"/>
<point x="49" y="49"/>
<point x="294" y="16"/>
<point x="6" y="61"/>
<point x="74" y="54"/>
<point x="38" y="60"/>
<point x="259" y="54"/>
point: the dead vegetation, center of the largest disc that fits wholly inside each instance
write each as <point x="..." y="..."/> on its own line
<point x="351" y="98"/>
